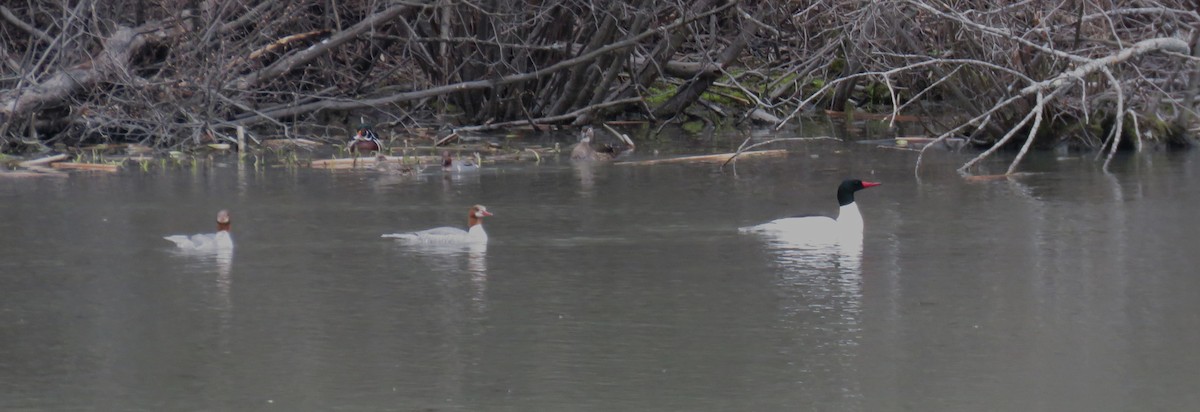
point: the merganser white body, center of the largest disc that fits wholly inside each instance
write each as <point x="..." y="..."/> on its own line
<point x="449" y="165"/>
<point x="207" y="241"/>
<point x="451" y="235"/>
<point x="847" y="225"/>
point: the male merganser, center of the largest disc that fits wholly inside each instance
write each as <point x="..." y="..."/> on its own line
<point x="449" y="165"/>
<point x="207" y="241"/>
<point x="365" y="141"/>
<point x="584" y="151"/>
<point x="849" y="222"/>
<point x="451" y="235"/>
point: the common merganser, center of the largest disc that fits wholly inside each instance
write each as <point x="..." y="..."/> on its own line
<point x="365" y="141"/>
<point x="849" y="222"/>
<point x="584" y="151"/>
<point x="451" y="235"/>
<point x="207" y="241"/>
<point x="449" y="165"/>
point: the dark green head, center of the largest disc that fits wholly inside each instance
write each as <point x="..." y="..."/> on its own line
<point x="848" y="187"/>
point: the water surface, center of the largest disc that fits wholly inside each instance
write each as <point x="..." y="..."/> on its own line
<point x="608" y="288"/>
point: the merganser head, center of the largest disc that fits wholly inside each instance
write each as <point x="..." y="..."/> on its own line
<point x="478" y="212"/>
<point x="223" y="221"/>
<point x="846" y="190"/>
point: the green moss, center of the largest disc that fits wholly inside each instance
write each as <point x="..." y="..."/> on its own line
<point x="837" y="65"/>
<point x="693" y="127"/>
<point x="659" y="93"/>
<point x="782" y="79"/>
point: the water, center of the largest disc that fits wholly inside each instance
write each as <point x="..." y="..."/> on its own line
<point x="608" y="288"/>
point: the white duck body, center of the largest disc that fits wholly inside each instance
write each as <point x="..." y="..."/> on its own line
<point x="815" y="229"/>
<point x="848" y="223"/>
<point x="451" y="235"/>
<point x="221" y="240"/>
<point x="449" y="165"/>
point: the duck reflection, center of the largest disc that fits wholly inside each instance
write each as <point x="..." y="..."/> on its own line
<point x="452" y="259"/>
<point x="586" y="171"/>
<point x="821" y="297"/>
<point x="833" y="269"/>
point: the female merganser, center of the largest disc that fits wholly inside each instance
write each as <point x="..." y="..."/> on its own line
<point x="365" y="141"/>
<point x="849" y="222"/>
<point x="450" y="166"/>
<point x="451" y="235"/>
<point x="584" y="151"/>
<point x="207" y="241"/>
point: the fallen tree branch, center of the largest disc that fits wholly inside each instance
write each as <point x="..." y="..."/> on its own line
<point x="483" y="84"/>
<point x="117" y="52"/>
<point x="42" y="161"/>
<point x="723" y="158"/>
<point x="743" y="147"/>
<point x="549" y="119"/>
<point x="287" y="64"/>
<point x="100" y="167"/>
<point x="40" y="35"/>
<point x="1139" y="48"/>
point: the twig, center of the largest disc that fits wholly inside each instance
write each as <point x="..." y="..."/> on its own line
<point x="743" y="148"/>
<point x="714" y="158"/>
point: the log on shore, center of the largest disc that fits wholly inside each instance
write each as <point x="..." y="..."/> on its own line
<point x="42" y="161"/>
<point x="716" y="158"/>
<point x="19" y="174"/>
<point x="367" y="162"/>
<point x="100" y="167"/>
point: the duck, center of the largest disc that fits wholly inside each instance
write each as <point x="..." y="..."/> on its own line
<point x="365" y="141"/>
<point x="207" y="241"/>
<point x="847" y="224"/>
<point x="583" y="151"/>
<point x="451" y="235"/>
<point x="449" y="165"/>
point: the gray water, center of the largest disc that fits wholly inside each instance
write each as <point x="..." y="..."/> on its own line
<point x="608" y="288"/>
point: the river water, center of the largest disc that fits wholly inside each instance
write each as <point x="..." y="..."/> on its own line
<point x="608" y="287"/>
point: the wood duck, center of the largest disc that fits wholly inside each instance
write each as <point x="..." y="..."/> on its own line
<point x="365" y="141"/>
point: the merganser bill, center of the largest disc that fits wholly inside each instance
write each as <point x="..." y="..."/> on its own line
<point x="849" y="222"/>
<point x="207" y="241"/>
<point x="451" y="235"/>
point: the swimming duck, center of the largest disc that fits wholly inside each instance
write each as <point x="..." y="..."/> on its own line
<point x="451" y="235"/>
<point x="207" y="241"/>
<point x="365" y="141"/>
<point x="449" y="165"/>
<point x="848" y="224"/>
<point x="583" y="150"/>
